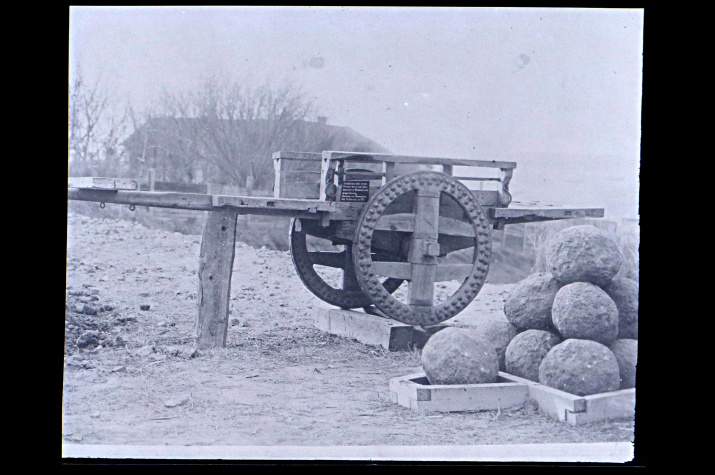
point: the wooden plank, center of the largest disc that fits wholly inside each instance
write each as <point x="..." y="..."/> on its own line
<point x="476" y="178"/>
<point x="144" y="198"/>
<point x="372" y="330"/>
<point x="551" y="401"/>
<point x="606" y="406"/>
<point x="278" y="183"/>
<point x="368" y="329"/>
<point x="383" y="157"/>
<point x="218" y="245"/>
<point x="550" y="213"/>
<point x="480" y="397"/>
<point x="306" y="156"/>
<point x="103" y="183"/>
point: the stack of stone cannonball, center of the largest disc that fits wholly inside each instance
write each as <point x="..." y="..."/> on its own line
<point x="578" y="323"/>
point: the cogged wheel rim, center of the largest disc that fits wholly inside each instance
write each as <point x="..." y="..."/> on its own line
<point x="350" y="295"/>
<point x="444" y="218"/>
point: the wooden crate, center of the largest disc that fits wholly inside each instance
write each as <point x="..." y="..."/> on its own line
<point x="297" y="175"/>
<point x="415" y="392"/>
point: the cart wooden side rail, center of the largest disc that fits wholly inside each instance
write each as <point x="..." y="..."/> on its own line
<point x="406" y="243"/>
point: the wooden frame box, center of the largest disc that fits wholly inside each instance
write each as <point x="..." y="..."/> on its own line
<point x="413" y="391"/>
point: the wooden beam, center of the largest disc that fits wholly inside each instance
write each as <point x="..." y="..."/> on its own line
<point x="383" y="157"/>
<point x="102" y="183"/>
<point x="550" y="212"/>
<point x="144" y="198"/>
<point x="218" y="245"/>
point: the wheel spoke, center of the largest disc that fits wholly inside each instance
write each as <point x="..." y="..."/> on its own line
<point x="328" y="259"/>
<point x="404" y="222"/>
<point x="446" y="272"/>
<point x="420" y="290"/>
<point x="397" y="270"/>
<point x="455" y="227"/>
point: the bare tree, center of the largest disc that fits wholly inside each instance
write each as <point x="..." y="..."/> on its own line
<point x="97" y="126"/>
<point x="230" y="129"/>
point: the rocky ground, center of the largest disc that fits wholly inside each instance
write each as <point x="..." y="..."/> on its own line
<point x="132" y="376"/>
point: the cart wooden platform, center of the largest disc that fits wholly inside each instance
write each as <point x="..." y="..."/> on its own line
<point x="384" y="220"/>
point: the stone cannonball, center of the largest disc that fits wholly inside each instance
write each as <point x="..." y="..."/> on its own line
<point x="528" y="304"/>
<point x="583" y="310"/>
<point x="580" y="367"/>
<point x="459" y="356"/>
<point x="497" y="332"/>
<point x="526" y="350"/>
<point x="624" y="292"/>
<point x="626" y="352"/>
<point x="583" y="254"/>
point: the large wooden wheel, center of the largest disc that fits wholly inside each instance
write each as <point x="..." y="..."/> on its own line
<point x="346" y="294"/>
<point x="436" y="226"/>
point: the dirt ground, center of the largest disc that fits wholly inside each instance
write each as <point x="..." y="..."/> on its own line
<point x="132" y="376"/>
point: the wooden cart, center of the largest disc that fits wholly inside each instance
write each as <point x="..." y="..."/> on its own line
<point x="395" y="219"/>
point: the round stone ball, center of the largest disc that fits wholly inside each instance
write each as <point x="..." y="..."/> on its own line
<point x="624" y="292"/>
<point x="528" y="304"/>
<point x="583" y="254"/>
<point x="497" y="332"/>
<point x="459" y="356"/>
<point x="626" y="352"/>
<point x="584" y="311"/>
<point x="580" y="367"/>
<point x="526" y="350"/>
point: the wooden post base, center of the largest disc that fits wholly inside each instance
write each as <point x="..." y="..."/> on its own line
<point x="215" y="268"/>
<point x="372" y="330"/>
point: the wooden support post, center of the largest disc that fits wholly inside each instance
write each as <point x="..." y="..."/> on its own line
<point x="215" y="268"/>
<point x="152" y="180"/>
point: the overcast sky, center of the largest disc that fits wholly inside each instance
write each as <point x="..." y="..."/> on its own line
<point x="557" y="90"/>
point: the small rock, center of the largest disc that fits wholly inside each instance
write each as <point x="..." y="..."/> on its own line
<point x="176" y="402"/>
<point x="89" y="310"/>
<point x="106" y="308"/>
<point x="94" y="292"/>
<point x="88" y="339"/>
<point x="95" y="415"/>
<point x="235" y="321"/>
<point x="190" y="353"/>
<point x="145" y="350"/>
<point x="144" y="294"/>
<point x="119" y="369"/>
<point x="144" y="307"/>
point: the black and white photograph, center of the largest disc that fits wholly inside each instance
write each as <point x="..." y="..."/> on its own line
<point x="352" y="234"/>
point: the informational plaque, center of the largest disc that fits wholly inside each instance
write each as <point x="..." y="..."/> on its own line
<point x="357" y="191"/>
